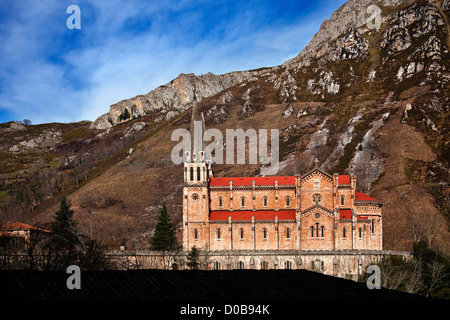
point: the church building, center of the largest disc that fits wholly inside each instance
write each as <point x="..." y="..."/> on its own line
<point x="304" y="220"/>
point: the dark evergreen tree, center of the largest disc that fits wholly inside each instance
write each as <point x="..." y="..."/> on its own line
<point x="193" y="258"/>
<point x="65" y="237"/>
<point x="164" y="238"/>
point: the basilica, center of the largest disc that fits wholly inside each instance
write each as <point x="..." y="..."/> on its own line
<point x="314" y="211"/>
<point x="315" y="220"/>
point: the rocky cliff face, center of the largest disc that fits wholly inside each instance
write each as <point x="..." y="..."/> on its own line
<point x="172" y="98"/>
<point x="351" y="15"/>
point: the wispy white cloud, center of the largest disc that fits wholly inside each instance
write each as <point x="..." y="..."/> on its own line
<point x="126" y="48"/>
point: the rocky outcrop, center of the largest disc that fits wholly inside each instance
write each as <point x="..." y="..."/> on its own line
<point x="252" y="96"/>
<point x="409" y="70"/>
<point x="172" y="98"/>
<point x="349" y="46"/>
<point x="45" y="139"/>
<point x="409" y="23"/>
<point x="13" y="126"/>
<point x="285" y="85"/>
<point x="353" y="14"/>
<point x="325" y="84"/>
<point x="445" y="6"/>
<point x="430" y="49"/>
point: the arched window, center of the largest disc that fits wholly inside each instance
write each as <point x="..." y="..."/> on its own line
<point x="288" y="265"/>
<point x="360" y="233"/>
<point x="315" y="231"/>
<point x="288" y="201"/>
<point x="342" y="200"/>
<point x="265" y="233"/>
<point x="216" y="265"/>
<point x="195" y="234"/>
<point x="242" y="202"/>
<point x="218" y="233"/>
<point x="344" y="233"/>
<point x="373" y="226"/>
<point x="198" y="173"/>
<point x="241" y="232"/>
<point x="265" y="201"/>
<point x="264" y="265"/>
<point x="220" y="202"/>
<point x="240" y="265"/>
<point x="191" y="171"/>
<point x="288" y="233"/>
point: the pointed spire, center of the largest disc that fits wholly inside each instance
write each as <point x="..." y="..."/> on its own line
<point x="203" y="123"/>
<point x="203" y="132"/>
<point x="194" y="117"/>
<point x="197" y="128"/>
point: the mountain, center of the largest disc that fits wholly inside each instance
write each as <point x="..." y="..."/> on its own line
<point x="171" y="98"/>
<point x="363" y="98"/>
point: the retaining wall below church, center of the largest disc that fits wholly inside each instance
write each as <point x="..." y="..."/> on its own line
<point x="345" y="264"/>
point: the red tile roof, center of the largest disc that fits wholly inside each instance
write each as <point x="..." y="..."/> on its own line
<point x="362" y="217"/>
<point x="344" y="179"/>
<point x="345" y="213"/>
<point x="360" y="196"/>
<point x="248" y="181"/>
<point x="248" y="214"/>
<point x="19" y="226"/>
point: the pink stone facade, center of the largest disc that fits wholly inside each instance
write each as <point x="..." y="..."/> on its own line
<point x="315" y="211"/>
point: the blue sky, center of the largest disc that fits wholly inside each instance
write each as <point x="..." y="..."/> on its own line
<point x="49" y="73"/>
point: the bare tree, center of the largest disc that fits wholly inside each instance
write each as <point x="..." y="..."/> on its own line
<point x="78" y="173"/>
<point x="129" y="260"/>
<point x="205" y="260"/>
<point x="393" y="273"/>
<point x="413" y="277"/>
<point x="169" y="258"/>
<point x="437" y="275"/>
<point x="424" y="227"/>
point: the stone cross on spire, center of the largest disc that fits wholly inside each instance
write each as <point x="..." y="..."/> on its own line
<point x="316" y="163"/>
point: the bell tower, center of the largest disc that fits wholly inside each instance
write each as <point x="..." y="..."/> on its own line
<point x="197" y="170"/>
